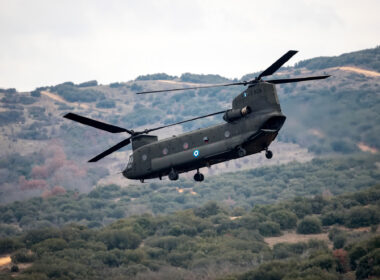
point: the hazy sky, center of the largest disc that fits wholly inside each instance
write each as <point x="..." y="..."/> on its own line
<point x="46" y="42"/>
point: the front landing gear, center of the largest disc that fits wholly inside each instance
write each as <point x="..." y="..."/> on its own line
<point x="173" y="175"/>
<point x="268" y="154"/>
<point x="199" y="177"/>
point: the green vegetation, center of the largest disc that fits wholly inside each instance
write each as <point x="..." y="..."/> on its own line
<point x="106" y="104"/>
<point x="92" y="83"/>
<point x="17" y="98"/>
<point x="309" y="225"/>
<point x="158" y="76"/>
<point x="196" y="241"/>
<point x="341" y="119"/>
<point x="243" y="190"/>
<point x="72" y="93"/>
<point x="208" y="79"/>
<point x="9" y="117"/>
<point x="8" y="90"/>
<point x="369" y="59"/>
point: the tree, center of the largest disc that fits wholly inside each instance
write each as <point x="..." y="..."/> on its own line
<point x="361" y="217"/>
<point x="309" y="225"/>
<point x="120" y="239"/>
<point x="269" y="229"/>
<point x="369" y="265"/>
<point x="285" y="218"/>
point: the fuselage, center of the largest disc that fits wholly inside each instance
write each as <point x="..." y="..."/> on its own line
<point x="251" y="133"/>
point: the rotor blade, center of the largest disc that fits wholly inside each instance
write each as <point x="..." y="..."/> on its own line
<point x="209" y="86"/>
<point x="111" y="150"/>
<point x="197" y="118"/>
<point x="295" y="80"/>
<point x="97" y="124"/>
<point x="275" y="66"/>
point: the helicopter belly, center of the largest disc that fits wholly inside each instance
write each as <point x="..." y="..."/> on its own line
<point x="260" y="142"/>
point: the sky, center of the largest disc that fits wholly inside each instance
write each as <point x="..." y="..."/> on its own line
<point x="47" y="42"/>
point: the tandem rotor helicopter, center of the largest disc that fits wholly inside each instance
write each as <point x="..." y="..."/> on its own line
<point x="248" y="128"/>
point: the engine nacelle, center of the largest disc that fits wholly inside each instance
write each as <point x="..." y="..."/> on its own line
<point x="234" y="114"/>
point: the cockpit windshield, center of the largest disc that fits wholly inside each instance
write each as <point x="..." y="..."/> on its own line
<point x="130" y="162"/>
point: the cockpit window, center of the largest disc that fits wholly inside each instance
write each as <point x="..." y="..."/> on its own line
<point x="130" y="162"/>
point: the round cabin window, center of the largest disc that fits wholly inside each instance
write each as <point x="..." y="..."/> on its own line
<point x="144" y="157"/>
<point x="227" y="134"/>
<point x="165" y="151"/>
<point x="185" y="146"/>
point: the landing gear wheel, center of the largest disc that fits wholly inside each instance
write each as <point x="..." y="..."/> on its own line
<point x="173" y="175"/>
<point x="199" y="177"/>
<point x="268" y="154"/>
<point x="242" y="152"/>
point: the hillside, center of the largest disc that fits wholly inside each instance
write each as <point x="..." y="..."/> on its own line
<point x="43" y="154"/>
<point x="210" y="242"/>
<point x="311" y="212"/>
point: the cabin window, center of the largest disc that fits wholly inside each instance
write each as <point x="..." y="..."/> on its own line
<point x="165" y="151"/>
<point x="185" y="146"/>
<point x="227" y="134"/>
<point x="205" y="139"/>
<point x="144" y="157"/>
<point x="130" y="162"/>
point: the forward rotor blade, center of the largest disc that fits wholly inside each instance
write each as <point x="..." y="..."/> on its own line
<point x="197" y="118"/>
<point x="277" y="65"/>
<point x="209" y="86"/>
<point x="111" y="150"/>
<point x="97" y="124"/>
<point x="295" y="80"/>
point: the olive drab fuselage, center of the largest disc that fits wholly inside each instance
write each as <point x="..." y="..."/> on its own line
<point x="249" y="133"/>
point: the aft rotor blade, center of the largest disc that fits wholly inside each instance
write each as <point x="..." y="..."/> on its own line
<point x="277" y="65"/>
<point x="190" y="120"/>
<point x="209" y="86"/>
<point x="111" y="150"/>
<point x="97" y="124"/>
<point x="295" y="80"/>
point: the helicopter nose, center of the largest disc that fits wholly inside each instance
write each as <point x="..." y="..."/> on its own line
<point x="125" y="173"/>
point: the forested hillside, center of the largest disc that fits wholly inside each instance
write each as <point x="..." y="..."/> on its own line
<point x="209" y="242"/>
<point x="238" y="190"/>
<point x="42" y="154"/>
<point x="312" y="214"/>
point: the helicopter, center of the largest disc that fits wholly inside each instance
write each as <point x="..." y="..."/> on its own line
<point x="249" y="127"/>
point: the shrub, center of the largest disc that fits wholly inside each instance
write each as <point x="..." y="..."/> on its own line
<point x="23" y="256"/>
<point x="35" y="93"/>
<point x="106" y="104"/>
<point x="8" y="245"/>
<point x="285" y="218"/>
<point x="8" y="117"/>
<point x="369" y="266"/>
<point x="158" y="76"/>
<point x="309" y="225"/>
<point x="269" y="229"/>
<point x="209" y="209"/>
<point x="361" y="217"/>
<point x="92" y="83"/>
<point x="120" y="239"/>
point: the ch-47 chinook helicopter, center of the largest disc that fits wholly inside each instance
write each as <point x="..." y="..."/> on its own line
<point x="248" y="128"/>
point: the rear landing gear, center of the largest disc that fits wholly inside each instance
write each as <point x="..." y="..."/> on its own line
<point x="241" y="152"/>
<point x="173" y="175"/>
<point x="199" y="177"/>
<point x="268" y="154"/>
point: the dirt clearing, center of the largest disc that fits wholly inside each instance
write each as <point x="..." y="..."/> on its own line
<point x="5" y="260"/>
<point x="359" y="71"/>
<point x="292" y="237"/>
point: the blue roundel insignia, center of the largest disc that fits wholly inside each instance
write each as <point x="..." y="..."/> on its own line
<point x="196" y="153"/>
